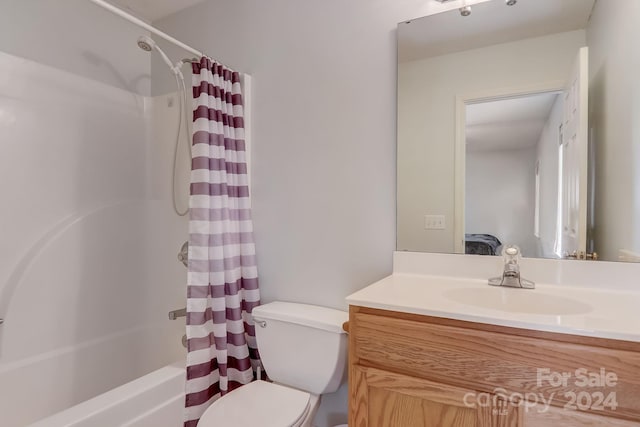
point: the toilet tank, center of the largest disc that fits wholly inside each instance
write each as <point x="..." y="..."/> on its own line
<point x="302" y="346"/>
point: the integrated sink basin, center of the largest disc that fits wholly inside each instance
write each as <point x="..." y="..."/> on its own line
<point x="570" y="298"/>
<point x="517" y="301"/>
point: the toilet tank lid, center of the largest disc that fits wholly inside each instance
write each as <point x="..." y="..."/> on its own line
<point x="313" y="316"/>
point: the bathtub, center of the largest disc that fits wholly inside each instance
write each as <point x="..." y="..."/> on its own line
<point x="154" y="400"/>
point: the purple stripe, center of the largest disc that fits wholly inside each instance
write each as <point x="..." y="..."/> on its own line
<point x="212" y="114"/>
<point x="202" y="137"/>
<point x="248" y="306"/>
<point x="221" y="92"/>
<point x="234" y="314"/>
<point x="250" y="284"/>
<point x="250" y="330"/>
<point x="218" y="317"/>
<point x="202" y="369"/>
<point x="194" y="291"/>
<point x="219" y="291"/>
<point x="228" y="96"/>
<point x="233" y="288"/>
<point x="233" y="144"/>
<point x="243" y="364"/>
<point x="205" y="188"/>
<point x="205" y="369"/>
<point x="220" y="342"/>
<point x="254" y="354"/>
<point x="199" y="318"/>
<point x="209" y="64"/>
<point x="196" y="399"/>
<point x="218" y="165"/>
<point x="215" y="68"/>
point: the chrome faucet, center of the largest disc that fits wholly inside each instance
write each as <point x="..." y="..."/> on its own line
<point x="511" y="275"/>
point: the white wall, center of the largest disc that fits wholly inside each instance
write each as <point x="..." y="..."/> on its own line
<point x="614" y="103"/>
<point x="76" y="36"/>
<point x="426" y="125"/>
<point x="324" y="78"/>
<point x="499" y="195"/>
<point x="548" y="158"/>
<point x="89" y="238"/>
<point x="324" y="137"/>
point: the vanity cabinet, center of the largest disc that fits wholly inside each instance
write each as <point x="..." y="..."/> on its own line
<point x="411" y="370"/>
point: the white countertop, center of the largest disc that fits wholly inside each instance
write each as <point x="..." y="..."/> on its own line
<point x="587" y="311"/>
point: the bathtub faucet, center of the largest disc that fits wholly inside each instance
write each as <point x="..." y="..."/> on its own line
<point x="174" y="314"/>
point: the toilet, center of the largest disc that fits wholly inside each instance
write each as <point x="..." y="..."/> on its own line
<point x="304" y="351"/>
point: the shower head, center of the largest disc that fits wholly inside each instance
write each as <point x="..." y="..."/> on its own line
<point x="147" y="44"/>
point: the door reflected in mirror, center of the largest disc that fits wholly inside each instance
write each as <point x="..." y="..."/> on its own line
<point x="511" y="164"/>
<point x="515" y="127"/>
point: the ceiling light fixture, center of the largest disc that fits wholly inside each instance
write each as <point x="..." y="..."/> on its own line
<point x="511" y="2"/>
<point x="465" y="11"/>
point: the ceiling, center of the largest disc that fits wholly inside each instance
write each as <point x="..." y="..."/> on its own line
<point x="152" y="10"/>
<point x="489" y="23"/>
<point x="514" y="123"/>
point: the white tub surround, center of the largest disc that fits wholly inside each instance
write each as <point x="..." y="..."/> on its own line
<point x="596" y="299"/>
<point x="89" y="239"/>
<point x="154" y="400"/>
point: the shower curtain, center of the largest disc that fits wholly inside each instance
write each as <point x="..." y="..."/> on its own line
<point x="222" y="283"/>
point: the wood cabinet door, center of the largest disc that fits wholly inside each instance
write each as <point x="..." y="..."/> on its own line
<point x="560" y="417"/>
<point x="385" y="399"/>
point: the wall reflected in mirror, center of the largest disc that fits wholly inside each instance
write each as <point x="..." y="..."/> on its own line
<point x="519" y="125"/>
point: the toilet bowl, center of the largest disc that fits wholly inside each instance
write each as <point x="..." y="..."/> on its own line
<point x="304" y="351"/>
<point x="264" y="404"/>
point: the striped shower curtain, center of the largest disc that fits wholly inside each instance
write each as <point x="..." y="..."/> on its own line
<point x="222" y="283"/>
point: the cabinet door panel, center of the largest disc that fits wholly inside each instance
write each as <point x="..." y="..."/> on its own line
<point x="395" y="409"/>
<point x="385" y="399"/>
<point x="558" y="417"/>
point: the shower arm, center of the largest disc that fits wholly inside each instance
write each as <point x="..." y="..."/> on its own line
<point x="140" y="23"/>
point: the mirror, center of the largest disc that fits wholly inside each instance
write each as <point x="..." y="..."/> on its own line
<point x="519" y="124"/>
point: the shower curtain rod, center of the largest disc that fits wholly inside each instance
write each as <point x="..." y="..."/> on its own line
<point x="140" y="23"/>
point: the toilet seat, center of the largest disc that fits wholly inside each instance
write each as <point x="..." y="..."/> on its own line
<point x="259" y="403"/>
